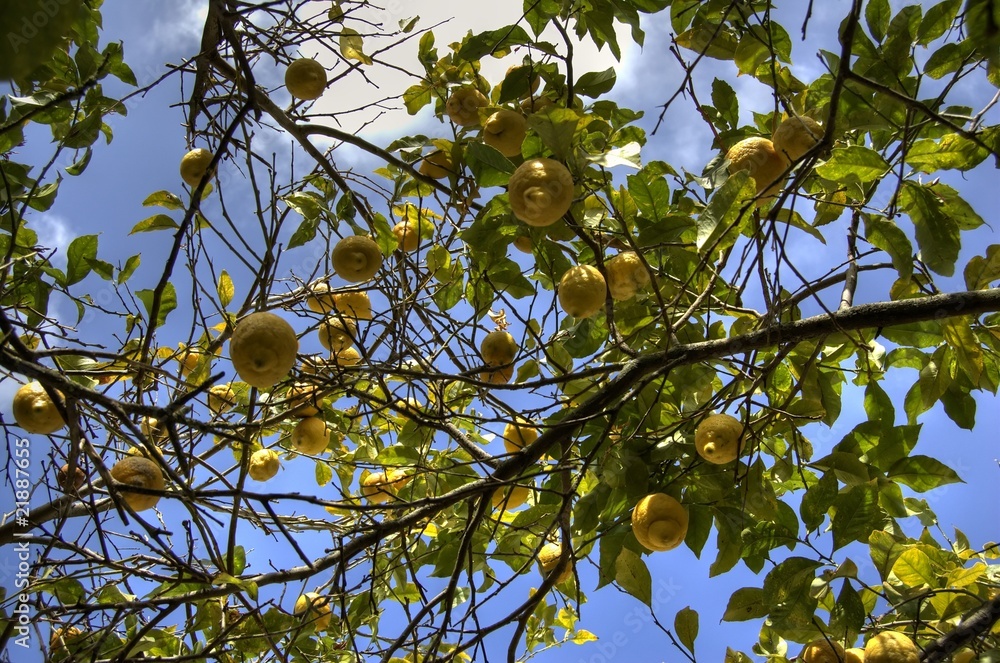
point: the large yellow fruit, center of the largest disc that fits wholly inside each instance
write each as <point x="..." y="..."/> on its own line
<point x="194" y="166"/>
<point x="548" y="559"/>
<point x="221" y="398"/>
<point x="795" y="136"/>
<point x="659" y="522"/>
<point x="314" y="609"/>
<point x="263" y="349"/>
<point x="511" y="497"/>
<point x="138" y="472"/>
<point x="498" y="348"/>
<point x="356" y="258"/>
<point x="757" y="156"/>
<point x="337" y="333"/>
<point x="303" y="400"/>
<point x="305" y="79"/>
<point x="320" y="298"/>
<point x="963" y="656"/>
<point x="63" y="641"/>
<point x="347" y="357"/>
<point x="540" y="191"/>
<point x="34" y="411"/>
<point x="516" y="436"/>
<point x="582" y="291"/>
<point x="412" y="233"/>
<point x="463" y="106"/>
<point x="718" y="438"/>
<point x="854" y="655"/>
<point x="355" y="305"/>
<point x="153" y="429"/>
<point x="310" y="436"/>
<point x="505" y="130"/>
<point x="822" y="650"/>
<point x="264" y="464"/>
<point x="891" y="647"/>
<point x="379" y="487"/>
<point x="437" y="165"/>
<point x="626" y="275"/>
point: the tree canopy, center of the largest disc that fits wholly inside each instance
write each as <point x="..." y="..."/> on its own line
<point x="417" y="399"/>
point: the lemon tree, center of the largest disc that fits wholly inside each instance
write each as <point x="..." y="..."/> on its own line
<point x="417" y="338"/>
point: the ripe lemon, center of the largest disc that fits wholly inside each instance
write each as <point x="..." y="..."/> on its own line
<point x="355" y="305"/>
<point x="62" y="641"/>
<point x="534" y="104"/>
<point x="34" y="411"/>
<point x="379" y="487"/>
<point x="337" y="333"/>
<point x="548" y="559"/>
<point x="523" y="244"/>
<point x="310" y="436"/>
<point x="153" y="429"/>
<point x="139" y="472"/>
<point x="505" y="130"/>
<point x="347" y="357"/>
<point x="264" y="464"/>
<point x="510" y="498"/>
<point x="757" y="156"/>
<point x="305" y="78"/>
<point x="822" y="650"/>
<point x="194" y="166"/>
<point x="314" y="609"/>
<point x="718" y="438"/>
<point x="188" y="357"/>
<point x="540" y="191"/>
<point x="263" y="349"/>
<point x="856" y="655"/>
<point x="221" y="398"/>
<point x="498" y="348"/>
<point x="356" y="258"/>
<point x="626" y="275"/>
<point x="582" y="291"/>
<point x="320" y="299"/>
<point x="961" y="656"/>
<point x="516" y="436"/>
<point x="463" y="106"/>
<point x="659" y="522"/>
<point x="795" y="136"/>
<point x="411" y="233"/>
<point x="437" y="165"/>
<point x="303" y="400"/>
<point x="891" y="647"/>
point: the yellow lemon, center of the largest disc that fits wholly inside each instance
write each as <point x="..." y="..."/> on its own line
<point x="310" y="436"/>
<point x="505" y="130"/>
<point x="891" y="647"/>
<point x="659" y="522"/>
<point x="516" y="436"/>
<point x="795" y="136"/>
<point x="757" y="156"/>
<point x="718" y="438"/>
<point x="264" y="464"/>
<point x="540" y="191"/>
<point x="355" y="305"/>
<point x="337" y="333"/>
<point x="548" y="559"/>
<point x="320" y="298"/>
<point x="854" y="655"/>
<point x="194" y="166"/>
<point x="356" y="258"/>
<point x="510" y="498"/>
<point x="263" y="349"/>
<point x="305" y="79"/>
<point x="221" y="398"/>
<point x="626" y="275"/>
<point x="314" y="609"/>
<point x="34" y="410"/>
<point x="463" y="106"/>
<point x="437" y="165"/>
<point x="822" y="650"/>
<point x="582" y="291"/>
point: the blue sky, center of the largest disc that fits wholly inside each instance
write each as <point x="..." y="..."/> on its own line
<point x="143" y="158"/>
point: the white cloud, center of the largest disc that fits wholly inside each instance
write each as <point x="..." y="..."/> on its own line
<point x="175" y="26"/>
<point x="53" y="233"/>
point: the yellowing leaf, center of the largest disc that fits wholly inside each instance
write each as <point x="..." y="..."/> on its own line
<point x="226" y="289"/>
<point x="351" y="45"/>
<point x="583" y="636"/>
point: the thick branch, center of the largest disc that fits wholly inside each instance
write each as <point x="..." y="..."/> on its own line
<point x="981" y="621"/>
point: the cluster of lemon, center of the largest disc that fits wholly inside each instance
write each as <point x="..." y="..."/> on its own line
<point x="767" y="160"/>
<point x="884" y="647"/>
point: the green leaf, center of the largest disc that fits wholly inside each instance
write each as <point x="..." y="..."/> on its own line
<point x="853" y="164"/>
<point x="556" y="127"/>
<point x="951" y="152"/>
<point x="493" y="41"/>
<point x="595" y="83"/>
<point x="921" y="473"/>
<point x="651" y="195"/>
<point x="937" y="21"/>
<point x="130" y="266"/>
<point x="416" y="97"/>
<point x="686" y="627"/>
<point x="877" y="15"/>
<point x="153" y="223"/>
<point x="857" y="514"/>
<point x="324" y="473"/>
<point x="962" y="339"/>
<point x="163" y="199"/>
<point x="726" y="214"/>
<point x="817" y="500"/>
<point x="981" y="271"/>
<point x="848" y="615"/>
<point x="745" y="604"/>
<point x="633" y="576"/>
<point x="937" y="233"/>
<point x="78" y="166"/>
<point x="886" y="235"/>
<point x="225" y="289"/>
<point x="80" y="252"/>
<point x="239" y="560"/>
<point x="168" y="302"/>
<point x="490" y="167"/>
